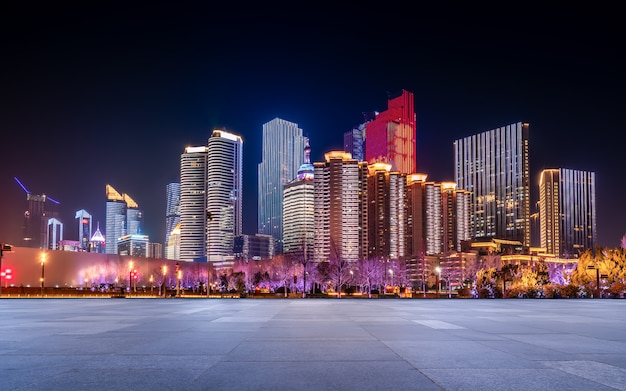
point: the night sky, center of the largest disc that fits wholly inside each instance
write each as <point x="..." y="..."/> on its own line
<point x="105" y="94"/>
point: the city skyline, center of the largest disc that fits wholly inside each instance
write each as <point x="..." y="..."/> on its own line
<point x="118" y="105"/>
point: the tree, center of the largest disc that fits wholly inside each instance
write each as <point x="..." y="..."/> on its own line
<point x="339" y="274"/>
<point x="369" y="272"/>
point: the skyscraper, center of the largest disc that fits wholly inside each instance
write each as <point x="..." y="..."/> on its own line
<point x="224" y="196"/>
<point x="391" y="135"/>
<point x="298" y="211"/>
<point x="567" y="211"/>
<point x="84" y="221"/>
<point x="41" y="208"/>
<point x="193" y="203"/>
<point x="386" y="199"/>
<point x="493" y="166"/>
<point x="281" y="156"/>
<point x="123" y="217"/>
<point x="172" y="208"/>
<point x="341" y="209"/>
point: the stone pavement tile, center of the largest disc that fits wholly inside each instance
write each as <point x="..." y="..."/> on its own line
<point x="313" y="376"/>
<point x="570" y="343"/>
<point x="617" y="360"/>
<point x="525" y="350"/>
<point x="456" y="354"/>
<point x="324" y="330"/>
<point x="107" y="379"/>
<point x="315" y="350"/>
<point x="601" y="373"/>
<point x="412" y="331"/>
<point x="510" y="379"/>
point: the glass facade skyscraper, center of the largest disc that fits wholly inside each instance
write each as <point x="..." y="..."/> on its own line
<point x="567" y="211"/>
<point x="224" y="196"/>
<point x="193" y="174"/>
<point x="493" y="166"/>
<point x="281" y="155"/>
<point x="123" y="217"/>
<point x="172" y="208"/>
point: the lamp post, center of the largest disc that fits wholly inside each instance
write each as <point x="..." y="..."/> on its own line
<point x="130" y="276"/>
<point x="392" y="287"/>
<point x="438" y="276"/>
<point x="43" y="262"/>
<point x="177" y="279"/>
<point x="593" y="267"/>
<point x="151" y="284"/>
<point x="164" y="283"/>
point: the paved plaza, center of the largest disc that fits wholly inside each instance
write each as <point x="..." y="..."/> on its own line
<point x="312" y="344"/>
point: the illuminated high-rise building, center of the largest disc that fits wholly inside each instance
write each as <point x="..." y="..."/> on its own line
<point x="224" y="196"/>
<point x="84" y="221"/>
<point x="298" y="211"/>
<point x="391" y="135"/>
<point x="281" y="155"/>
<point x="438" y="216"/>
<point x="193" y="203"/>
<point x="41" y="208"/>
<point x="172" y="208"/>
<point x="340" y="207"/>
<point x="493" y="166"/>
<point x="386" y="200"/>
<point x="567" y="211"/>
<point x="123" y="217"/>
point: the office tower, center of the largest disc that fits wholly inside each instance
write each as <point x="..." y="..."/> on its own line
<point x="224" y="196"/>
<point x="97" y="242"/>
<point x="567" y="211"/>
<point x="41" y="208"/>
<point x="437" y="217"/>
<point x="193" y="203"/>
<point x="493" y="167"/>
<point x="84" y="221"/>
<point x="340" y="207"/>
<point x="386" y="200"/>
<point x="134" y="245"/>
<point x="54" y="234"/>
<point x="416" y="228"/>
<point x="172" y="208"/>
<point x="172" y="249"/>
<point x="298" y="211"/>
<point x="455" y="216"/>
<point x="281" y="156"/>
<point x="123" y="217"/>
<point x="391" y="135"/>
<point x="254" y="247"/>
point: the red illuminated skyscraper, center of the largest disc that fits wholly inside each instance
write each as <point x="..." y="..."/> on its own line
<point x="391" y="135"/>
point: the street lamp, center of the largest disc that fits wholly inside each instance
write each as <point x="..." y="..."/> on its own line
<point x="392" y="287"/>
<point x="177" y="279"/>
<point x="164" y="284"/>
<point x="151" y="284"/>
<point x="438" y="275"/>
<point x="43" y="261"/>
<point x="130" y="276"/>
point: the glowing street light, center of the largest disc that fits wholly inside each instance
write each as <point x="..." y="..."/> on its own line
<point x="438" y="271"/>
<point x="43" y="261"/>
<point x="164" y="284"/>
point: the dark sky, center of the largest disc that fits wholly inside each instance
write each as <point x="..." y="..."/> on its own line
<point x="112" y="94"/>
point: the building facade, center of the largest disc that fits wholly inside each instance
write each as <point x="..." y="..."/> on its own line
<point x="84" y="223"/>
<point x="340" y="207"/>
<point x="386" y="201"/>
<point x="224" y="196"/>
<point x="193" y="212"/>
<point x="391" y="135"/>
<point x="567" y="211"/>
<point x="298" y="215"/>
<point x="281" y="155"/>
<point x="493" y="166"/>
<point x="123" y="217"/>
<point x="172" y="208"/>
